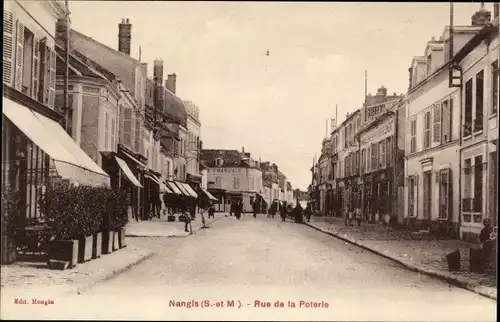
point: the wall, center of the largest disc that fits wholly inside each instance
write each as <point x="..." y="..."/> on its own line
<point x="229" y="175"/>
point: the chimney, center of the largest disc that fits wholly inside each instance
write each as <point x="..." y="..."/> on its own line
<point x="243" y="149"/>
<point x="158" y="80"/>
<point x="382" y="91"/>
<point x="496" y="10"/>
<point x="481" y="17"/>
<point x="61" y="26"/>
<point x="170" y="83"/>
<point x="124" y="36"/>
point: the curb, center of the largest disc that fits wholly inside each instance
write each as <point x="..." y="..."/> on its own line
<point x="438" y="275"/>
<point x="174" y="236"/>
<point x="111" y="274"/>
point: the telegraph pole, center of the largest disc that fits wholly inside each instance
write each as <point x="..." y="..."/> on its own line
<point x="66" y="68"/>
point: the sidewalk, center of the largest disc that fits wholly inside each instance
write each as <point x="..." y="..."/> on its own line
<point x="419" y="252"/>
<point x="35" y="279"/>
<point x="160" y="227"/>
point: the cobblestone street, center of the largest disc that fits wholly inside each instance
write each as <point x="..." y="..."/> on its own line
<point x="267" y="260"/>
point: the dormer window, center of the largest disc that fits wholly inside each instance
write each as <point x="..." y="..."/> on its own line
<point x="219" y="162"/>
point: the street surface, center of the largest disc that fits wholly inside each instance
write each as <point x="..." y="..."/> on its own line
<point x="265" y="260"/>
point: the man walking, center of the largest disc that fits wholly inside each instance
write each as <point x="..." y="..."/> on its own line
<point x="255" y="208"/>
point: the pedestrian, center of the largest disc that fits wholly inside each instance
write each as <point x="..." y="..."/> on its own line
<point x="187" y="221"/>
<point x="358" y="215"/>
<point x="283" y="212"/>
<point x="274" y="209"/>
<point x="255" y="208"/>
<point x="308" y="212"/>
<point x="211" y="212"/>
<point x="232" y="208"/>
<point x="486" y="231"/>
<point x="297" y="213"/>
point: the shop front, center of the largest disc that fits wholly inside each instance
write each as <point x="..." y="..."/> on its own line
<point x="37" y="152"/>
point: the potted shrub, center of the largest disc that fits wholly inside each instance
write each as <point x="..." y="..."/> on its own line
<point x="121" y="217"/>
<point x="63" y="214"/>
<point x="92" y="207"/>
<point x="108" y="223"/>
<point x="13" y="219"/>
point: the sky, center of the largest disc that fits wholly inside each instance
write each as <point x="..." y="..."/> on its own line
<point x="275" y="106"/>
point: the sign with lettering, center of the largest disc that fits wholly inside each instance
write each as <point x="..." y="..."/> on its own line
<point x="225" y="170"/>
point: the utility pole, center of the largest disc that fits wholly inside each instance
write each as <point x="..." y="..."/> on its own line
<point x="66" y="68"/>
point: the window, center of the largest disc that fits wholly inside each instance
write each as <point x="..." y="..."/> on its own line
<point x="346" y="166"/>
<point x="388" y="155"/>
<point x="429" y="64"/>
<point x="445" y="194"/>
<point x="357" y="163"/>
<point x="468" y="109"/>
<point x="106" y="130"/>
<point x="374" y="149"/>
<point x="219" y="162"/>
<point x="446" y="118"/>
<point x="495" y="81"/>
<point x="113" y="134"/>
<point x="236" y="183"/>
<point x="382" y="161"/>
<point x="427" y="130"/>
<point x="436" y="127"/>
<point x="363" y="161"/>
<point x="413" y="136"/>
<point x="345" y="137"/>
<point x="467" y="196"/>
<point x="478" y="184"/>
<point x="27" y="73"/>
<point x="368" y="159"/>
<point x="478" y="121"/>
<point x="411" y="196"/>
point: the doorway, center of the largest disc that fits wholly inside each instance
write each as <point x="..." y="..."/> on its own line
<point x="427" y="195"/>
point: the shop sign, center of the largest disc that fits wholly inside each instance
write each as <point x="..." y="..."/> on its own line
<point x="225" y="170"/>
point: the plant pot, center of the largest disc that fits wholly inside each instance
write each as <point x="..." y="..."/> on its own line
<point x="121" y="238"/>
<point x="96" y="245"/>
<point x="64" y="250"/>
<point x="8" y="251"/>
<point x="115" y="241"/>
<point x="107" y="241"/>
<point x="85" y="249"/>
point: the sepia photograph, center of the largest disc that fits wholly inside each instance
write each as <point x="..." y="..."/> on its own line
<point x="249" y="160"/>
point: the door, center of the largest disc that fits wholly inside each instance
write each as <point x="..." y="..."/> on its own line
<point x="427" y="194"/>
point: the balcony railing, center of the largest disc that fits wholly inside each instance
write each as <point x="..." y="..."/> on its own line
<point x="467" y="129"/>
<point x="478" y="124"/>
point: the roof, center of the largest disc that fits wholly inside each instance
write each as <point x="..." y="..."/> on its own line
<point x="488" y="30"/>
<point x="76" y="65"/>
<point x="174" y="108"/>
<point x="79" y="34"/>
<point x="231" y="158"/>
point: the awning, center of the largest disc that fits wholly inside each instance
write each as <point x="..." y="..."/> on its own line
<point x="70" y="161"/>
<point x="123" y="165"/>
<point x="134" y="159"/>
<point x="174" y="188"/>
<point x="209" y="195"/>
<point x="163" y="187"/>
<point x="190" y="190"/>
<point x="182" y="188"/>
<point x="261" y="195"/>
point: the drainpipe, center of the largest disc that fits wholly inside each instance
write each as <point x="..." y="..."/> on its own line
<point x="394" y="165"/>
<point x="460" y="129"/>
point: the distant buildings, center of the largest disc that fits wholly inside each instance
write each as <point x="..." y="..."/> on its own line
<point x="427" y="159"/>
<point x="234" y="175"/>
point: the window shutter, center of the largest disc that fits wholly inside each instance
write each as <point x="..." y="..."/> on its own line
<point x="18" y="83"/>
<point x="449" y="198"/>
<point x="8" y="49"/>
<point x="445" y="128"/>
<point x="52" y="79"/>
<point x="437" y="123"/>
<point x="127" y="126"/>
<point x="35" y="83"/>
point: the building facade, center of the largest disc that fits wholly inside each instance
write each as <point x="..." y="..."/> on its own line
<point x="478" y="60"/>
<point x="36" y="149"/>
<point x="233" y="175"/>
